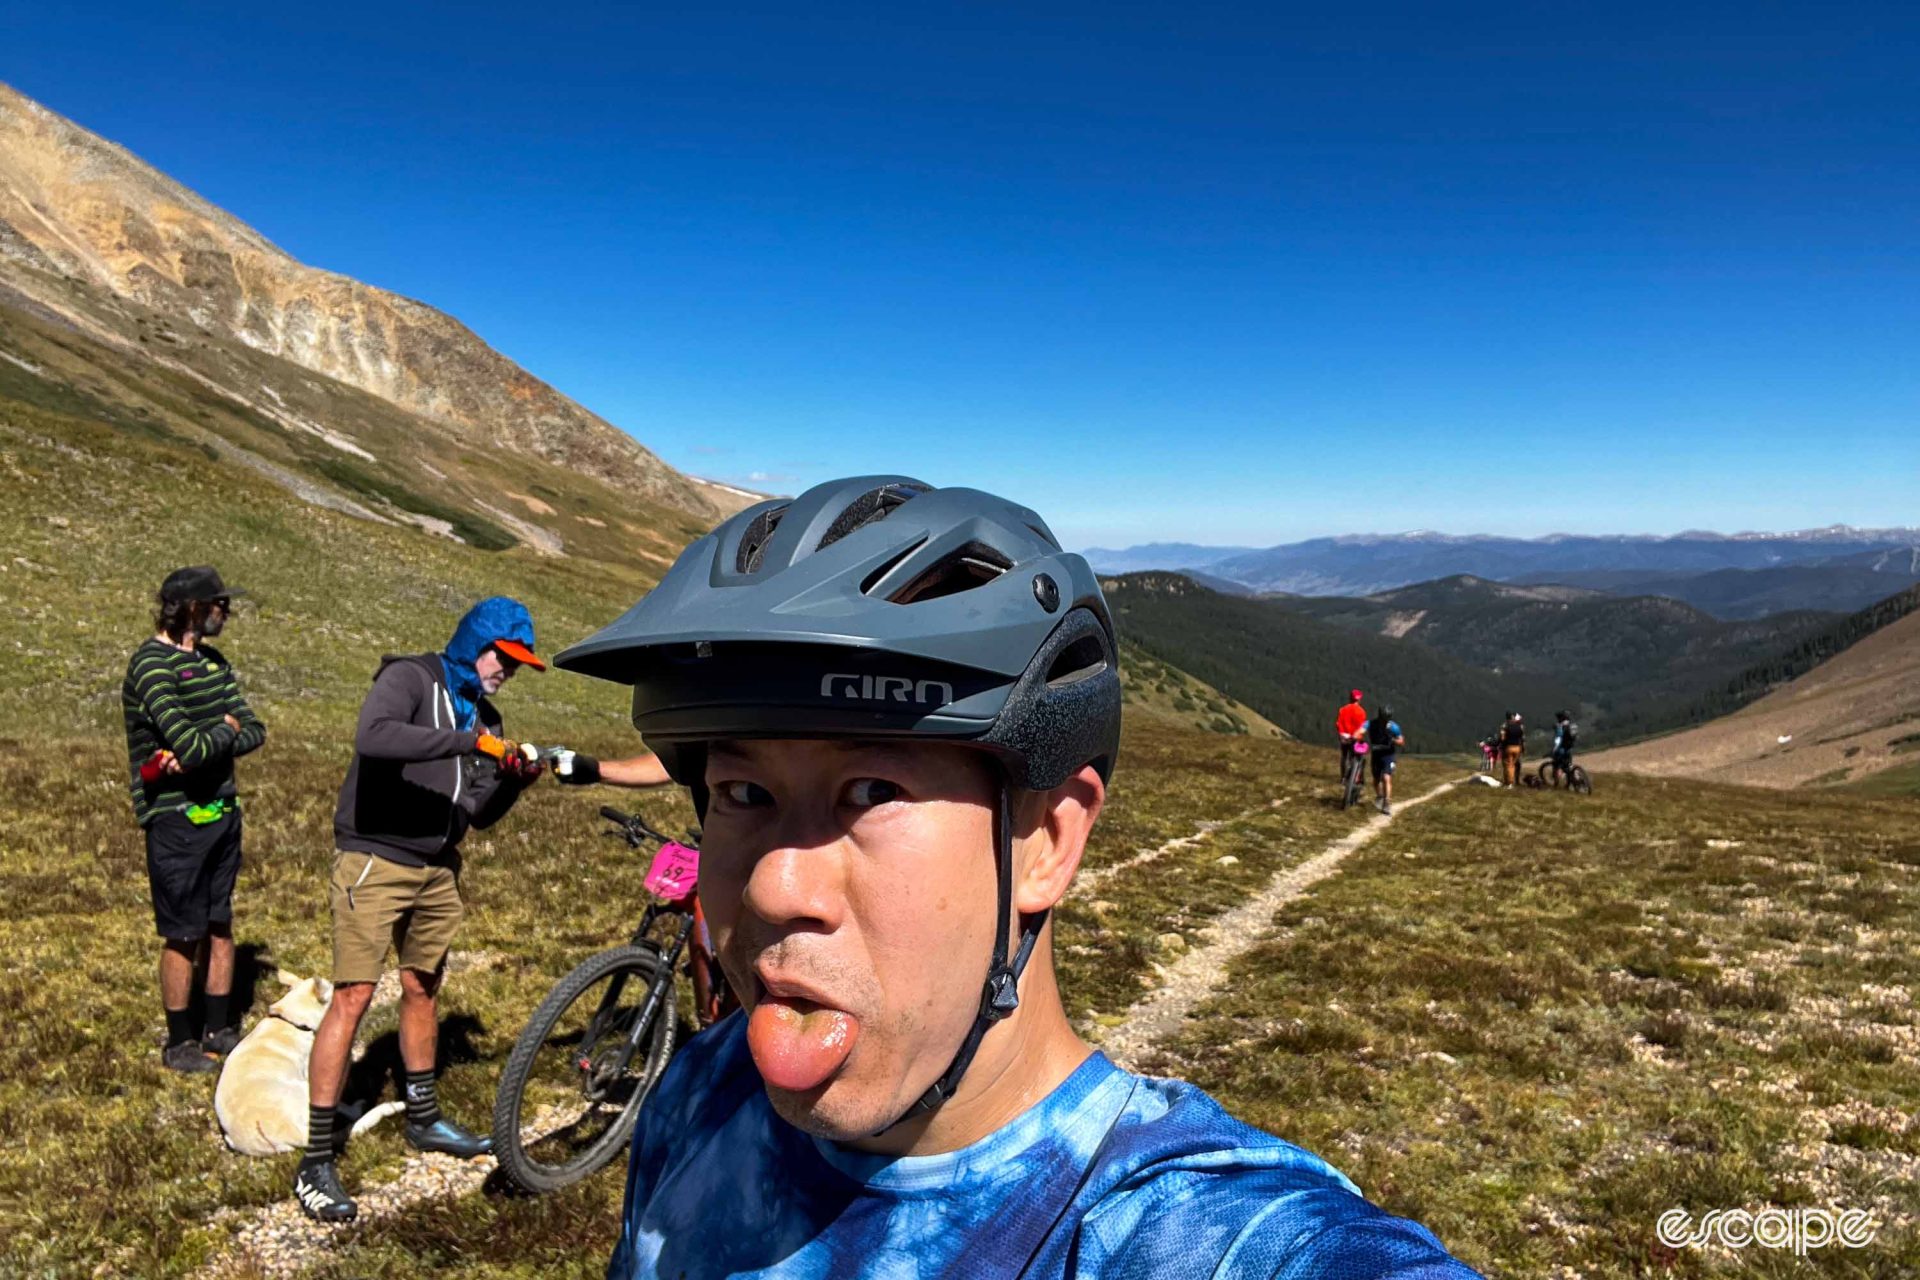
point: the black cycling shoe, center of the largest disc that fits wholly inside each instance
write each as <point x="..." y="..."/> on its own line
<point x="222" y="1041"/>
<point x="322" y="1198"/>
<point x="188" y="1057"/>
<point x="445" y="1135"/>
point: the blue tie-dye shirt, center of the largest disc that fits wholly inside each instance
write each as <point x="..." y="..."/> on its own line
<point x="1113" y="1175"/>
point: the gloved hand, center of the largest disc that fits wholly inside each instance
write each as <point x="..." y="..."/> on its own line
<point x="522" y="763"/>
<point x="574" y="768"/>
<point x="160" y="764"/>
<point x="498" y="748"/>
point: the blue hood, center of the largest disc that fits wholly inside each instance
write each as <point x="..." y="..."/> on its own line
<point x="495" y="618"/>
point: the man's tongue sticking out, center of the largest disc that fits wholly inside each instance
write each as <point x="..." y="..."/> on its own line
<point x="798" y="1044"/>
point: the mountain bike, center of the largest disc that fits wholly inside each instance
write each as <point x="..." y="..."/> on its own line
<point x="1576" y="777"/>
<point x="571" y="1091"/>
<point x="1356" y="783"/>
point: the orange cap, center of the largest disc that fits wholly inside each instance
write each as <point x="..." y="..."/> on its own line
<point x="520" y="653"/>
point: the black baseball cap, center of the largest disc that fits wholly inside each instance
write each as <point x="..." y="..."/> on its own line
<point x="196" y="582"/>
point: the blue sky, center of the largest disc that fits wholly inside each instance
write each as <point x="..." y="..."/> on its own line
<point x="1210" y="273"/>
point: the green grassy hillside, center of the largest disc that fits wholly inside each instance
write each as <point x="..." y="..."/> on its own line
<point x="1295" y="670"/>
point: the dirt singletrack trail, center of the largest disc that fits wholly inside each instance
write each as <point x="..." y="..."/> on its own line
<point x="1195" y="975"/>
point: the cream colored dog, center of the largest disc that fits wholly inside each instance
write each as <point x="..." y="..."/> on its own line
<point x="262" y="1095"/>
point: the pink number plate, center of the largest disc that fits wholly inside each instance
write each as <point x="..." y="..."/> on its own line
<point x="675" y="871"/>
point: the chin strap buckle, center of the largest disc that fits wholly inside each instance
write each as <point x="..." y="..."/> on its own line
<point x="1002" y="995"/>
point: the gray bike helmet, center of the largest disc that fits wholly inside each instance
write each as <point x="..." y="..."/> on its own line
<point x="880" y="607"/>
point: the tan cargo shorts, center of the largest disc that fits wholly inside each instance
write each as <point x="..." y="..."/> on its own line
<point x="378" y="903"/>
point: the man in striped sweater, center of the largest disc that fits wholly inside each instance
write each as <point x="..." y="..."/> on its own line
<point x="186" y="724"/>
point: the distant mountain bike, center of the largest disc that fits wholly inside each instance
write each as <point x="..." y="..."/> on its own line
<point x="1356" y="780"/>
<point x="1550" y="775"/>
<point x="598" y="1043"/>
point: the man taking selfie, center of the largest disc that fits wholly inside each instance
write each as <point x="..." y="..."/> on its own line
<point x="897" y="708"/>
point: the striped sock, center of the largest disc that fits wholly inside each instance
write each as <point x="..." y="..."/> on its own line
<point x="319" y="1136"/>
<point x="423" y="1105"/>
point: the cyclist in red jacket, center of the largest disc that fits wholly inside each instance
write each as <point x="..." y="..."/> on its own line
<point x="1352" y="719"/>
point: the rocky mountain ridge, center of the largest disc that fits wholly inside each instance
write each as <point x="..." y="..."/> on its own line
<point x="99" y="240"/>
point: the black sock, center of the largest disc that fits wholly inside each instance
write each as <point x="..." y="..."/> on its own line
<point x="319" y="1136"/>
<point x="216" y="1006"/>
<point x="423" y="1105"/>
<point x="179" y="1027"/>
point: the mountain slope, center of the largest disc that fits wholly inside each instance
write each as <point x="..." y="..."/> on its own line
<point x="1785" y="664"/>
<point x="99" y="242"/>
<point x="1295" y="670"/>
<point x="1852" y="716"/>
<point x="1630" y="661"/>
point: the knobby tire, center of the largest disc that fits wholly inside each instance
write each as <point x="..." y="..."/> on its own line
<point x="637" y="965"/>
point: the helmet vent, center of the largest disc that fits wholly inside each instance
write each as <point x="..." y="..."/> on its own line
<point x="874" y="504"/>
<point x="754" y="539"/>
<point x="892" y="562"/>
<point x="962" y="569"/>
<point x="1081" y="660"/>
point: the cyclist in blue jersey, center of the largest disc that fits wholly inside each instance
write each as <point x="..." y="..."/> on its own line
<point x="897" y="709"/>
<point x="1383" y="739"/>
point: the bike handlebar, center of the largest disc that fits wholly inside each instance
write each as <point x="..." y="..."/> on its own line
<point x="612" y="814"/>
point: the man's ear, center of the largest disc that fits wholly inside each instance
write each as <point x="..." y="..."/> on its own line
<point x="1053" y="839"/>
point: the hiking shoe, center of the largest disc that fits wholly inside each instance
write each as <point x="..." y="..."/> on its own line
<point x="187" y="1057"/>
<point x="445" y="1135"/>
<point x="221" y="1041"/>
<point x="1386" y="807"/>
<point x="322" y="1198"/>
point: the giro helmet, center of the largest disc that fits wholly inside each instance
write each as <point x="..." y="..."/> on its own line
<point x="874" y="607"/>
<point x="881" y="607"/>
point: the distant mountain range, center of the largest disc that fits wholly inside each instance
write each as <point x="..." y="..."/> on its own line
<point x="1733" y="576"/>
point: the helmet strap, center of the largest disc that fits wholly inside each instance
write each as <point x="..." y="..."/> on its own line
<point x="1001" y="995"/>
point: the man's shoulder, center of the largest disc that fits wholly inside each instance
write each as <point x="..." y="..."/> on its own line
<point x="1190" y="1172"/>
<point x="151" y="655"/>
<point x="706" y="1079"/>
<point x="412" y="671"/>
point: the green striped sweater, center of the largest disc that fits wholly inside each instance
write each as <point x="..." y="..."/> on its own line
<point x="178" y="701"/>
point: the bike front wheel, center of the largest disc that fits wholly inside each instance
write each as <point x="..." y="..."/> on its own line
<point x="571" y="1091"/>
<point x="1578" y="780"/>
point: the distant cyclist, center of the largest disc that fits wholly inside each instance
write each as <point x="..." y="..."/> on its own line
<point x="1513" y="745"/>
<point x="1564" y="737"/>
<point x="1383" y="739"/>
<point x="1348" y="724"/>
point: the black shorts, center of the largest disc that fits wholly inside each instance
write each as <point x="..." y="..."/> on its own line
<point x="1382" y="763"/>
<point x="191" y="871"/>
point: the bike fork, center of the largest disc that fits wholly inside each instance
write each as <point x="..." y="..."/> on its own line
<point x="657" y="991"/>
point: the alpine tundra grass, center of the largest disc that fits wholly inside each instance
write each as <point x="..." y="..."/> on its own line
<point x="1538" y="1021"/>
